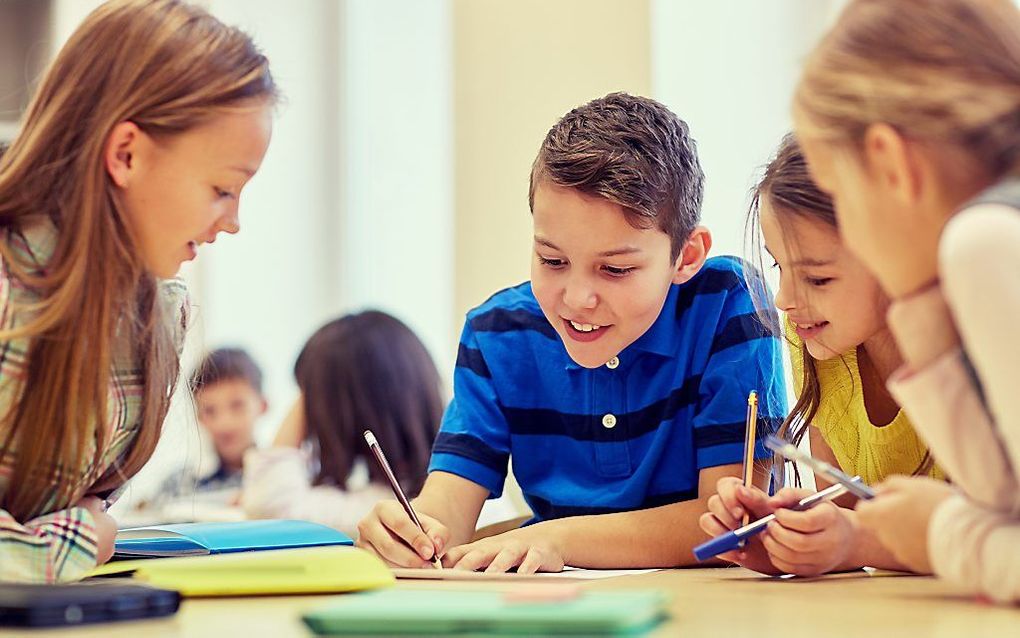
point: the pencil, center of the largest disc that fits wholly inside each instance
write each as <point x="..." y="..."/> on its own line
<point x="750" y="440"/>
<point x="395" y="486"/>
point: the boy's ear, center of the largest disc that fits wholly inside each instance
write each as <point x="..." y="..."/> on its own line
<point x="693" y="256"/>
<point x="893" y="163"/>
<point x="121" y="152"/>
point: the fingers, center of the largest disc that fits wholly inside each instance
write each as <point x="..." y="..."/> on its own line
<point x="727" y="505"/>
<point x="507" y="558"/>
<point x="788" y="497"/>
<point x="393" y="550"/>
<point x="533" y="562"/>
<point x="732" y="500"/>
<point x="754" y="501"/>
<point x="438" y="533"/>
<point x="816" y="519"/>
<point x="399" y="524"/>
<point x="807" y="543"/>
<point x="502" y="556"/>
<point x="711" y="525"/>
<point x="474" y="558"/>
<point x="395" y="538"/>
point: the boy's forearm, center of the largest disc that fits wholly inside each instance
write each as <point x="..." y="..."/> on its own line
<point x="657" y="537"/>
<point x="450" y="506"/>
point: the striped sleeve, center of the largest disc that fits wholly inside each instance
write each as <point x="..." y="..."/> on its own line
<point x="55" y="548"/>
<point x="744" y="356"/>
<point x="474" y="439"/>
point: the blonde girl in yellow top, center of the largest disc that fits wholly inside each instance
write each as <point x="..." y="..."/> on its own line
<point x="842" y="353"/>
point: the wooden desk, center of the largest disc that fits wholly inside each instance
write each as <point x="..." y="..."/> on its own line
<point x="706" y="602"/>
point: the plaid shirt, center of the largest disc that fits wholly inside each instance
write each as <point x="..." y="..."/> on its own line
<point x="59" y="544"/>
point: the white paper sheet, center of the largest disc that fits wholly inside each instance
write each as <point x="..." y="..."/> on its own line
<point x="568" y="573"/>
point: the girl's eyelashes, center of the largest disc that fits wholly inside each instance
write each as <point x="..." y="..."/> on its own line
<point x="551" y="262"/>
<point x="775" y="264"/>
<point x="223" y="194"/>
<point x="818" y="282"/>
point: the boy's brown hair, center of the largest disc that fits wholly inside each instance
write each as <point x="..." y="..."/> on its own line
<point x="226" y="364"/>
<point x="632" y="151"/>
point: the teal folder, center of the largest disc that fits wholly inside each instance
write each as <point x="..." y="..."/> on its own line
<point x="195" y="539"/>
<point x="415" y="612"/>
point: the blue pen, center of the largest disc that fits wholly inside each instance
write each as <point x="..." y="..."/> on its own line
<point x="732" y="540"/>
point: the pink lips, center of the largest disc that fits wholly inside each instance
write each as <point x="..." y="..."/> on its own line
<point x="812" y="332"/>
<point x="584" y="337"/>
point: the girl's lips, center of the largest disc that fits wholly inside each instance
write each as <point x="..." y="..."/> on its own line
<point x="810" y="331"/>
<point x="584" y="337"/>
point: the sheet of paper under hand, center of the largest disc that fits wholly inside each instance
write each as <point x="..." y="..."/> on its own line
<point x="569" y="573"/>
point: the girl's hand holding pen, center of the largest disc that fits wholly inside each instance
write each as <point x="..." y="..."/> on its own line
<point x="726" y="509"/>
<point x="809" y="542"/>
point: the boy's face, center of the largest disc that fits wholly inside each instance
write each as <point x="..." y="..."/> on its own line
<point x="228" y="410"/>
<point x="601" y="282"/>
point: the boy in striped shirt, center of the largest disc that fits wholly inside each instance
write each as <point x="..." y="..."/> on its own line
<point x="616" y="379"/>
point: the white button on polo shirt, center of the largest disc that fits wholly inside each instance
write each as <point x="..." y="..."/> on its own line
<point x="609" y="421"/>
<point x="613" y="363"/>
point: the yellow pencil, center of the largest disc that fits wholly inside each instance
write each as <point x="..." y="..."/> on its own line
<point x="750" y="440"/>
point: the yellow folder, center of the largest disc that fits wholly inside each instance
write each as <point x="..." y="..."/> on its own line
<point x="304" y="570"/>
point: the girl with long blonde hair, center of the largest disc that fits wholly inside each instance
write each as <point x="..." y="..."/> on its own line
<point x="132" y="153"/>
<point x="909" y="115"/>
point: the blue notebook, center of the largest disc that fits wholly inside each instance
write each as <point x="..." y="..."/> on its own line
<point x="196" y="539"/>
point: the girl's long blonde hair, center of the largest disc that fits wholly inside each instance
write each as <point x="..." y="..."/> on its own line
<point x="167" y="66"/>
<point x="946" y="71"/>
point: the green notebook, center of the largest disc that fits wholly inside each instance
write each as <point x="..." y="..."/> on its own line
<point x="416" y="612"/>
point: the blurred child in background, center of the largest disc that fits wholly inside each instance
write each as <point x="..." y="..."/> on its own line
<point x="362" y="371"/>
<point x="227" y="390"/>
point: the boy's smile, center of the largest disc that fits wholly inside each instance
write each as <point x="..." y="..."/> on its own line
<point x="601" y="282"/>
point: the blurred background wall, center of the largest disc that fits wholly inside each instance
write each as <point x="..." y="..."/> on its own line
<point x="397" y="176"/>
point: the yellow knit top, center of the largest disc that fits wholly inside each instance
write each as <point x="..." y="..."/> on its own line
<point x="862" y="448"/>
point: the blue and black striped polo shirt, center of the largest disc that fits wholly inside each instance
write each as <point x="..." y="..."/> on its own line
<point x="628" y="435"/>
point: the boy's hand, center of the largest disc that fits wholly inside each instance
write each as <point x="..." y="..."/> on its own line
<point x="726" y="509"/>
<point x="812" y="542"/>
<point x="526" y="549"/>
<point x="390" y="533"/>
<point x="106" y="528"/>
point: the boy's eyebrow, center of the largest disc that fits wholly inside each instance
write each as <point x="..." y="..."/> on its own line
<point x="623" y="250"/>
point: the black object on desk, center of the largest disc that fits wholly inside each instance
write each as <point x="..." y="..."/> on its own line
<point x="82" y="603"/>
